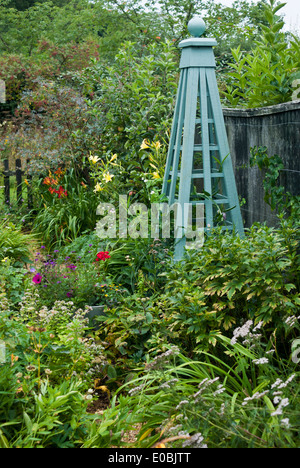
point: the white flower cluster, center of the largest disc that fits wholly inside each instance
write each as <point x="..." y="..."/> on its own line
<point x="168" y="384"/>
<point x="283" y="402"/>
<point x="136" y="390"/>
<point x="278" y="398"/>
<point x="261" y="361"/>
<point x="204" y="384"/>
<point x="4" y="304"/>
<point x="245" y="331"/>
<point x="292" y="320"/>
<point x="280" y="384"/>
<point x="159" y="361"/>
<point x="255" y="396"/>
<point x="195" y="441"/>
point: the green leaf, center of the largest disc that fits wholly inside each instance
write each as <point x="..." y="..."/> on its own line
<point x="3" y="441"/>
<point x="149" y="317"/>
<point x="111" y="372"/>
<point x="289" y="286"/>
<point x="28" y="422"/>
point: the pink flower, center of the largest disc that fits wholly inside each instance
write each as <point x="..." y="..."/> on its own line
<point x="37" y="279"/>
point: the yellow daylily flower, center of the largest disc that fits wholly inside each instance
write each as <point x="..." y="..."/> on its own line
<point x="157" y="145"/>
<point x="94" y="159"/>
<point x="98" y="188"/>
<point x="107" y="176"/>
<point x="156" y="175"/>
<point x="114" y="156"/>
<point x="145" y="144"/>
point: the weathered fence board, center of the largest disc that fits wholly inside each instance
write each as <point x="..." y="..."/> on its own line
<point x="277" y="128"/>
<point x="18" y="174"/>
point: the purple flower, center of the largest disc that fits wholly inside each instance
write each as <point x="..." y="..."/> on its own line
<point x="37" y="279"/>
<point x="43" y="247"/>
<point x="72" y="267"/>
<point x="69" y="294"/>
<point x="32" y="270"/>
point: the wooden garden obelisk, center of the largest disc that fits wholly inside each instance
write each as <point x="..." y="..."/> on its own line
<point x="199" y="175"/>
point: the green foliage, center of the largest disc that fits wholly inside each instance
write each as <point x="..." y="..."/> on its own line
<point x="212" y="402"/>
<point x="129" y="328"/>
<point x="46" y="381"/>
<point x="232" y="279"/>
<point x="62" y="215"/>
<point x="131" y="258"/>
<point x="12" y="280"/>
<point x="73" y="279"/>
<point x="275" y="194"/>
<point x="228" y="281"/>
<point x="45" y="132"/>
<point x="265" y="75"/>
<point x="94" y="129"/>
<point x="21" y="31"/>
<point x="14" y="243"/>
<point x="136" y="94"/>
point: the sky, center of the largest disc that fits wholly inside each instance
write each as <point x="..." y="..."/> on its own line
<point x="291" y="12"/>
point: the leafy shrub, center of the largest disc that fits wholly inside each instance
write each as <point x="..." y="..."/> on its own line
<point x="49" y="120"/>
<point x="136" y="94"/>
<point x="213" y="290"/>
<point x="232" y="279"/>
<point x="130" y="326"/>
<point x="237" y="402"/>
<point x="12" y="280"/>
<point x="264" y="76"/>
<point x="14" y="243"/>
<point x="47" y="379"/>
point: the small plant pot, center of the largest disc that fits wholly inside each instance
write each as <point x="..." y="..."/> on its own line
<point x="96" y="311"/>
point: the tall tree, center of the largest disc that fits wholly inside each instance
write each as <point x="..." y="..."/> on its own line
<point x="23" y="5"/>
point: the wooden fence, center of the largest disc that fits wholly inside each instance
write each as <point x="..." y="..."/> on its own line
<point x="18" y="174"/>
<point x="276" y="127"/>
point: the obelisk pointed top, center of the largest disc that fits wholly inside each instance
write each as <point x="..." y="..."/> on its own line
<point x="196" y="26"/>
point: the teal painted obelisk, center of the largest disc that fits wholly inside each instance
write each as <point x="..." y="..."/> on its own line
<point x="199" y="176"/>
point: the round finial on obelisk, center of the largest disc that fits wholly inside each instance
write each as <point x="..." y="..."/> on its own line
<point x="196" y="26"/>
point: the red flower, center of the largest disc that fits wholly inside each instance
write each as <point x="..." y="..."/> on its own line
<point x="102" y="256"/>
<point x="61" y="192"/>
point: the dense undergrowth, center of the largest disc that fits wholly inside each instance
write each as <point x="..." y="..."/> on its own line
<point x="198" y="353"/>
